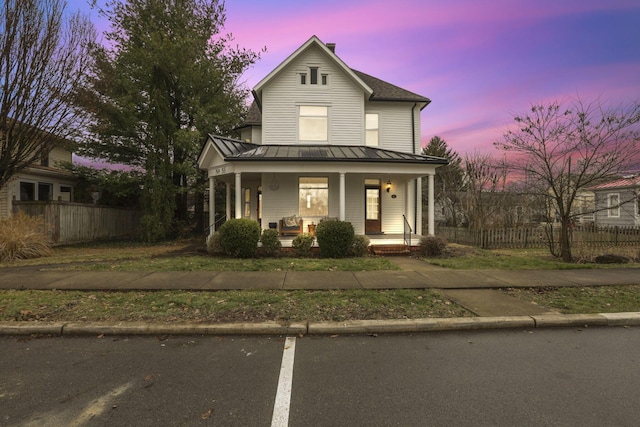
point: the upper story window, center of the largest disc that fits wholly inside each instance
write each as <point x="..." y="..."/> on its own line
<point x="44" y="158"/>
<point x="313" y="123"/>
<point x="371" y="129"/>
<point x="613" y="203"/>
<point x="314" y="77"/>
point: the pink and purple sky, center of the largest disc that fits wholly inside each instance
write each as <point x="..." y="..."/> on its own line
<point x="479" y="61"/>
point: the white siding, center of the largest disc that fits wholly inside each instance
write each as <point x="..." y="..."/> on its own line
<point x="245" y="134"/>
<point x="256" y="134"/>
<point x="627" y="210"/>
<point x="57" y="155"/>
<point x="284" y="201"/>
<point x="393" y="208"/>
<point x="284" y="93"/>
<point x="354" y="212"/>
<point x="395" y="124"/>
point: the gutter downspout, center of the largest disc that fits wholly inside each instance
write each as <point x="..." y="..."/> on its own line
<point x="413" y="136"/>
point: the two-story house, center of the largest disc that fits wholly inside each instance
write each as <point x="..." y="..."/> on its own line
<point x="40" y="181"/>
<point x="325" y="141"/>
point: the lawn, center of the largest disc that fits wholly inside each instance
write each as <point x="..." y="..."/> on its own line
<point x="576" y="300"/>
<point x="468" y="258"/>
<point x="279" y="305"/>
<point x="225" y="306"/>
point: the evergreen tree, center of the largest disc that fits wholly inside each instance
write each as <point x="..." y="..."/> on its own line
<point x="164" y="79"/>
<point x="449" y="179"/>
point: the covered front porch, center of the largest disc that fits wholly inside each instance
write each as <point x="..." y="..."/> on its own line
<point x="378" y="191"/>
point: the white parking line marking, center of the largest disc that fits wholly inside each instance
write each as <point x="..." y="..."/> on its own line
<point x="283" y="395"/>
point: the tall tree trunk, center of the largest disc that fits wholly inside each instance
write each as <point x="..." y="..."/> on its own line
<point x="565" y="239"/>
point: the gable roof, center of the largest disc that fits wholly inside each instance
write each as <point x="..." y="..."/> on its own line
<point x="313" y="41"/>
<point x="628" y="182"/>
<point x="375" y="88"/>
<point x="235" y="150"/>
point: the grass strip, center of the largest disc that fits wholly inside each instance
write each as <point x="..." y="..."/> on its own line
<point x="204" y="263"/>
<point x="579" y="300"/>
<point x="225" y="306"/>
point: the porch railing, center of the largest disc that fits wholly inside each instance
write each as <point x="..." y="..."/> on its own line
<point x="218" y="222"/>
<point x="406" y="233"/>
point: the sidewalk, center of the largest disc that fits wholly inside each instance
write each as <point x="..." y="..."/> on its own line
<point x="473" y="289"/>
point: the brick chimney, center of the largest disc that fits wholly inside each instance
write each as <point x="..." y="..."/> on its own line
<point x="332" y="47"/>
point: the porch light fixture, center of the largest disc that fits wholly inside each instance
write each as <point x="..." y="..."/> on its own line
<point x="388" y="186"/>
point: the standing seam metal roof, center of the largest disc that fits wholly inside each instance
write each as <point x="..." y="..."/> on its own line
<point x="234" y="150"/>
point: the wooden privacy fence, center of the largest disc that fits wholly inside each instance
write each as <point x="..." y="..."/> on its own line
<point x="76" y="222"/>
<point x="538" y="237"/>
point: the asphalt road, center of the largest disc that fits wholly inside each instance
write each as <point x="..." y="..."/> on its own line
<point x="543" y="377"/>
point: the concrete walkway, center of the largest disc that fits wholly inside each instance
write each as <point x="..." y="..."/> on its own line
<point x="473" y="289"/>
<point x="414" y="274"/>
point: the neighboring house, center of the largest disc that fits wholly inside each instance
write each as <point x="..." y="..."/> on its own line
<point x="322" y="140"/>
<point x="618" y="202"/>
<point x="39" y="182"/>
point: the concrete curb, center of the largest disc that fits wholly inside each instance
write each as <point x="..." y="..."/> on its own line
<point x="320" y="328"/>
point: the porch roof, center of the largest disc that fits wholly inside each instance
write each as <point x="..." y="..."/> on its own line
<point x="234" y="150"/>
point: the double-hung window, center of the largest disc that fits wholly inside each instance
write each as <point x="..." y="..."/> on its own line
<point x="313" y="123"/>
<point x="313" y="196"/>
<point x="613" y="205"/>
<point x="371" y="129"/>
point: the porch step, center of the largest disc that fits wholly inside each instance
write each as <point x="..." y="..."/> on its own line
<point x="389" y="249"/>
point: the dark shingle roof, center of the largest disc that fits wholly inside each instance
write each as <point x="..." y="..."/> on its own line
<point x="383" y="91"/>
<point x="234" y="150"/>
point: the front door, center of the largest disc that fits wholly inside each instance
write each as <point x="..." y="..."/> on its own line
<point x="372" y="210"/>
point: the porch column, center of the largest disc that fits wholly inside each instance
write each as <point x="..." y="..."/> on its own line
<point x="342" y="196"/>
<point x="227" y="205"/>
<point x="212" y="205"/>
<point x="431" y="206"/>
<point x="419" y="206"/>
<point x="238" y="195"/>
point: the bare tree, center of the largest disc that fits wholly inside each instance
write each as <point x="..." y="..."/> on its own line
<point x="566" y="149"/>
<point x="486" y="181"/>
<point x="43" y="62"/>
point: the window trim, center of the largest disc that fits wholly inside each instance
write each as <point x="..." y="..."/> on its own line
<point x="376" y="129"/>
<point x="35" y="190"/>
<point x="310" y="116"/>
<point x="323" y="186"/>
<point x="613" y="209"/>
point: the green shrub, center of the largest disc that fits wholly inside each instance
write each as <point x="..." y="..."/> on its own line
<point x="23" y="236"/>
<point x="214" y="246"/>
<point x="302" y="244"/>
<point x="271" y="245"/>
<point x="431" y="246"/>
<point x="239" y="237"/>
<point x="335" y="238"/>
<point x="360" y="246"/>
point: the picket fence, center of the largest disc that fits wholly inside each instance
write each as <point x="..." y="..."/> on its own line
<point x="538" y="237"/>
<point x="76" y="222"/>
